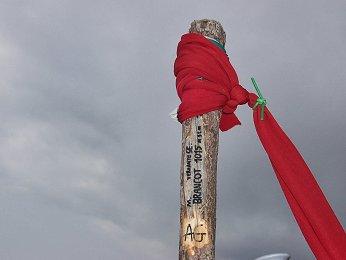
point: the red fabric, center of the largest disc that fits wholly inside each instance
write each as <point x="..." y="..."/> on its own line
<point x="206" y="81"/>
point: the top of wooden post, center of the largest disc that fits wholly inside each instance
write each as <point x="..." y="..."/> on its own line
<point x="210" y="28"/>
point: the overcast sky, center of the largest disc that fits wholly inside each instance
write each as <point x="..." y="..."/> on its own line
<point x="89" y="158"/>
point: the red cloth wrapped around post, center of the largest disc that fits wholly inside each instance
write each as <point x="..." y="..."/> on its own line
<point x="206" y="81"/>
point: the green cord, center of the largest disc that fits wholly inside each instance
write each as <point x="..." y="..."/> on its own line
<point x="217" y="43"/>
<point x="260" y="101"/>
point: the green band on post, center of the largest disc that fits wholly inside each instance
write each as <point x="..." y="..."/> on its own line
<point x="261" y="100"/>
<point x="217" y="43"/>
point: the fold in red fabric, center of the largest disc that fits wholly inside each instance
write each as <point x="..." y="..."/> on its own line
<point x="206" y="81"/>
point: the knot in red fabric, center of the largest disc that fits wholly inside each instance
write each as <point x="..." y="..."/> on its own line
<point x="206" y="81"/>
<point x="239" y="96"/>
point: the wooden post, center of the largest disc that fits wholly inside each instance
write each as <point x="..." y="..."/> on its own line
<point x="200" y="141"/>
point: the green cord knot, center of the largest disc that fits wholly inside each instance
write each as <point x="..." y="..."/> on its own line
<point x="261" y="100"/>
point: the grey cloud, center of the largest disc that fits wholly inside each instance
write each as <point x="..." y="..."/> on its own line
<point x="89" y="159"/>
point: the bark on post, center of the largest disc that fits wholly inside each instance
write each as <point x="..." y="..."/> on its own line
<point x="200" y="141"/>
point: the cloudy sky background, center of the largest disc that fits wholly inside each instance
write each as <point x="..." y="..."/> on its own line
<point x="89" y="158"/>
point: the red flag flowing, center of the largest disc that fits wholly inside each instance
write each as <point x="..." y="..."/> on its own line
<point x="206" y="81"/>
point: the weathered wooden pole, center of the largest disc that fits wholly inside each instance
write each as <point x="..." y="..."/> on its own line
<point x="200" y="141"/>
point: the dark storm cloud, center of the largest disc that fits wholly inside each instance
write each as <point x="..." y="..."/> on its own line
<point x="89" y="157"/>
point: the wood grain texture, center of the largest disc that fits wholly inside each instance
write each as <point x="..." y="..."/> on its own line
<point x="198" y="172"/>
<point x="210" y="28"/>
<point x="198" y="186"/>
